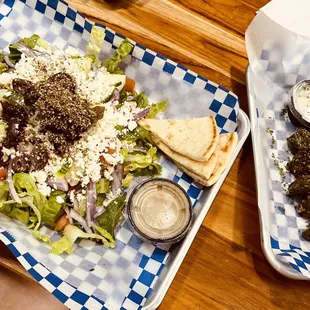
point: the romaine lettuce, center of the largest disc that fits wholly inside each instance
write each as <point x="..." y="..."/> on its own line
<point x="103" y="186"/>
<point x="138" y="135"/>
<point x="95" y="41"/>
<point x="140" y="160"/>
<point x="19" y="215"/>
<point x="52" y="210"/>
<point x="127" y="180"/>
<point x="3" y="66"/>
<point x="112" y="214"/>
<point x="71" y="234"/>
<point x="113" y="62"/>
<point x="15" y="54"/>
<point x="142" y="101"/>
<point x="157" y="108"/>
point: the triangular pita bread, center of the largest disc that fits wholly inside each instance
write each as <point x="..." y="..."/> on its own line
<point x="227" y="145"/>
<point x="204" y="168"/>
<point x="194" y="138"/>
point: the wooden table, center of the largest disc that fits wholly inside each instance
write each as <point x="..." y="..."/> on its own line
<point x="225" y="267"/>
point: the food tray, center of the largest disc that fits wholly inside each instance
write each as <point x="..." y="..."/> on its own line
<point x="268" y="243"/>
<point x="159" y="266"/>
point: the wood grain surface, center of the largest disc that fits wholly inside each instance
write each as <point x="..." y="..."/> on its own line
<point x="225" y="267"/>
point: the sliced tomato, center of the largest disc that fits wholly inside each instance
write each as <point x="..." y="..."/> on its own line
<point x="129" y="85"/>
<point x="111" y="151"/>
<point x="61" y="223"/>
<point x="103" y="161"/>
<point x="3" y="173"/>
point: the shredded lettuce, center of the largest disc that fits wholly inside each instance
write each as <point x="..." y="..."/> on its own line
<point x="4" y="190"/>
<point x="71" y="234"/>
<point x="19" y="215"/>
<point x="3" y="66"/>
<point x="47" y="211"/>
<point x="33" y="220"/>
<point x="151" y="170"/>
<point x="100" y="200"/>
<point x="64" y="168"/>
<point x="52" y="210"/>
<point x="139" y="135"/>
<point x="157" y="108"/>
<point x="85" y="63"/>
<point x="142" y="101"/>
<point x="112" y="214"/>
<point x="103" y="186"/>
<point x="71" y="174"/>
<point x="23" y="181"/>
<point x="113" y="62"/>
<point x="140" y="160"/>
<point x="105" y="234"/>
<point x="42" y="43"/>
<point x="127" y="180"/>
<point x="15" y="54"/>
<point x="95" y="41"/>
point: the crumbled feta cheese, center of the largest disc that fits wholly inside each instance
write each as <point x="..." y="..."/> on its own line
<point x="8" y="153"/>
<point x="59" y="199"/>
<point x="6" y="78"/>
<point x="38" y="176"/>
<point x="44" y="189"/>
<point x="132" y="125"/>
<point x="72" y="51"/>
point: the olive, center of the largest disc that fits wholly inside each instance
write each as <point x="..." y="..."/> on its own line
<point x="15" y="110"/>
<point x="31" y="97"/>
<point x="20" y="164"/>
<point x="22" y="86"/>
<point x="13" y="132"/>
<point x="38" y="158"/>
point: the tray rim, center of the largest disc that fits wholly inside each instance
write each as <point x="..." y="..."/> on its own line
<point x="210" y="197"/>
<point x="264" y="234"/>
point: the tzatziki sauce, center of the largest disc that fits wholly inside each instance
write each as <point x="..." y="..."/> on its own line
<point x="302" y="101"/>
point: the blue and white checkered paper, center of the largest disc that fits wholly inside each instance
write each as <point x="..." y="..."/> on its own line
<point x="281" y="69"/>
<point x="94" y="277"/>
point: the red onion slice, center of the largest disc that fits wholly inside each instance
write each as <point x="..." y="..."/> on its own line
<point x="116" y="183"/>
<point x="115" y="96"/>
<point x="80" y="219"/>
<point x="99" y="211"/>
<point x="120" y="171"/>
<point x="59" y="184"/>
<point x="12" y="189"/>
<point x="91" y="202"/>
<point x="141" y="114"/>
<point x="26" y="50"/>
<point x="75" y="204"/>
<point x="8" y="61"/>
<point x="68" y="215"/>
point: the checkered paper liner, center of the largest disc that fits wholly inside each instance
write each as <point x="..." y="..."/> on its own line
<point x="92" y="276"/>
<point x="281" y="71"/>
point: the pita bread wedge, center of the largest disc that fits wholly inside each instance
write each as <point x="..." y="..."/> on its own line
<point x="198" y="167"/>
<point x="194" y="138"/>
<point x="227" y="145"/>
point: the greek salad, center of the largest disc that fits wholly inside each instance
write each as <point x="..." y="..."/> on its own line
<point x="69" y="140"/>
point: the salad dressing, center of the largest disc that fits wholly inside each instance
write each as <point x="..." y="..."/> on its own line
<point x="160" y="211"/>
